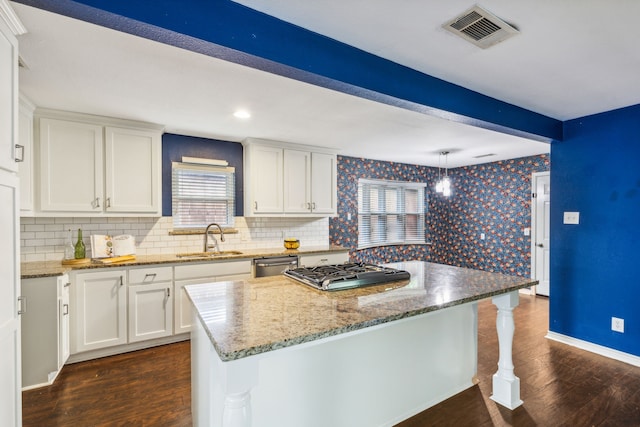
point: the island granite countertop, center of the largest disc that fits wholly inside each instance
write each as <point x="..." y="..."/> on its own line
<point x="249" y="317"/>
<point x="35" y="269"/>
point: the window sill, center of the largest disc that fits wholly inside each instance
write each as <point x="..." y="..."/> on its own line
<point x="195" y="231"/>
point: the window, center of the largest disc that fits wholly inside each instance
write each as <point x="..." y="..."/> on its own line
<point x="202" y="194"/>
<point x="390" y="213"/>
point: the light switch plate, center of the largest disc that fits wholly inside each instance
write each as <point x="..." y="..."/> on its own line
<point x="572" y="217"/>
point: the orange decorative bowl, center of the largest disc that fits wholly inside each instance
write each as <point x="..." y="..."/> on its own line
<point x="291" y="243"/>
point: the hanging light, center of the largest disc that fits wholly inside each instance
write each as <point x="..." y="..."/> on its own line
<point x="444" y="183"/>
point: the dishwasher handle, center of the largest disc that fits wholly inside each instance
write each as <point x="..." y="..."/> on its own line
<point x="276" y="263"/>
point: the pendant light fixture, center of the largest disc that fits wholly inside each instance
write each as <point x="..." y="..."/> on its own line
<point x="444" y="183"/>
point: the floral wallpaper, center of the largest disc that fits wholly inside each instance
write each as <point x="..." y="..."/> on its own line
<point x="492" y="198"/>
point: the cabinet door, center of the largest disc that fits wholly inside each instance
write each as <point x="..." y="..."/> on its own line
<point x="132" y="170"/>
<point x="297" y="186"/>
<point x="63" y="320"/>
<point x="71" y="175"/>
<point x="266" y="180"/>
<point x="10" y="396"/>
<point x="8" y="98"/>
<point x="25" y="166"/>
<point x="150" y="311"/>
<point x="182" y="315"/>
<point x="100" y="309"/>
<point x="323" y="183"/>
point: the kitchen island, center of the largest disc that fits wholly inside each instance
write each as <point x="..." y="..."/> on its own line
<point x="272" y="351"/>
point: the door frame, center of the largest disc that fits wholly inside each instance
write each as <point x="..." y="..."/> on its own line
<point x="534" y="184"/>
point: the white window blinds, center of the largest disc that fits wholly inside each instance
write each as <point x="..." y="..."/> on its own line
<point x="202" y="194"/>
<point x="390" y="213"/>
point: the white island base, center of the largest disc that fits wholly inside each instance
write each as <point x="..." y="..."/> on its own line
<point x="376" y="376"/>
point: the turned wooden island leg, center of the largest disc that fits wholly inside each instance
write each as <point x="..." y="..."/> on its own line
<point x="506" y="386"/>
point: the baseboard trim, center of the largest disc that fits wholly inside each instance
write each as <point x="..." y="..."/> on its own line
<point x="595" y="348"/>
<point x="125" y="348"/>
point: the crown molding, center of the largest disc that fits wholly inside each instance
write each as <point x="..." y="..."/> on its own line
<point x="8" y="15"/>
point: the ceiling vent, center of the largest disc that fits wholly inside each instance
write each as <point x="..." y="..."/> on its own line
<point x="480" y="27"/>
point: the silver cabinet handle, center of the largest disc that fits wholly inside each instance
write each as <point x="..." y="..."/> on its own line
<point x="313" y="206"/>
<point x="255" y="205"/>
<point x="65" y="309"/>
<point x="66" y="285"/>
<point x="23" y="305"/>
<point x="308" y="206"/>
<point x="19" y="149"/>
<point x="540" y="245"/>
<point x="97" y="202"/>
<point x="107" y="202"/>
<point x="152" y="275"/>
<point x="168" y="292"/>
<point x="121" y="281"/>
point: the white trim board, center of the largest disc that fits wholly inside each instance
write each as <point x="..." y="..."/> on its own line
<point x="595" y="348"/>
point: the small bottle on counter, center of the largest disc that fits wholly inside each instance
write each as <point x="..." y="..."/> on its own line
<point x="69" y="249"/>
<point x="80" y="251"/>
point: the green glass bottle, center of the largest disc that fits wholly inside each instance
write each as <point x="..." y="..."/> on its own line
<point x="80" y="251"/>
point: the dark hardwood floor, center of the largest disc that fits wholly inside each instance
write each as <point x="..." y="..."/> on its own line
<point x="560" y="385"/>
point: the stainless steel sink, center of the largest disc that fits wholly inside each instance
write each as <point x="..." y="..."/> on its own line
<point x="207" y="255"/>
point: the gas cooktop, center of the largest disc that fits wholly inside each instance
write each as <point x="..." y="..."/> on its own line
<point x="343" y="276"/>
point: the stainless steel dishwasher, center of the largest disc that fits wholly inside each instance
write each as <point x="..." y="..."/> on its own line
<point x="272" y="266"/>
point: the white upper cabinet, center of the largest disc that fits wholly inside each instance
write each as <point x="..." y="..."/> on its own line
<point x="133" y="161"/>
<point x="289" y="180"/>
<point x="88" y="167"/>
<point x="24" y="156"/>
<point x="71" y="167"/>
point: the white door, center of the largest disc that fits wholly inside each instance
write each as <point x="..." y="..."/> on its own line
<point x="540" y="218"/>
<point x="150" y="311"/>
<point x="323" y="183"/>
<point x="100" y="307"/>
<point x="10" y="357"/>
<point x="132" y="170"/>
<point x="297" y="189"/>
<point x="71" y="161"/>
<point x="266" y="180"/>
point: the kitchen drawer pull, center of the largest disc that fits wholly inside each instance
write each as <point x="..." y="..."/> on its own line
<point x="23" y="305"/>
<point x="97" y="202"/>
<point x="152" y="275"/>
<point x="121" y="281"/>
<point x="66" y="285"/>
<point x="255" y="205"/>
<point x="107" y="202"/>
<point x="313" y="206"/>
<point x="168" y="292"/>
<point x="65" y="309"/>
<point x="19" y="149"/>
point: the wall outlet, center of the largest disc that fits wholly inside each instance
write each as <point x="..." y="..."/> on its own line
<point x="571" y="218"/>
<point x="481" y="236"/>
<point x="527" y="231"/>
<point x="617" y="324"/>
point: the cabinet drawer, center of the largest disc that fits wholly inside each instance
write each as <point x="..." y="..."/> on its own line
<point x="146" y="276"/>
<point x="320" y="259"/>
<point x="213" y="269"/>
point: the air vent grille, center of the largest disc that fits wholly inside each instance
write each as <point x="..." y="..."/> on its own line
<point x="480" y="27"/>
<point x="484" y="155"/>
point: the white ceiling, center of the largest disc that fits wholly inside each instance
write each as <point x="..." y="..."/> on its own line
<point x="572" y="58"/>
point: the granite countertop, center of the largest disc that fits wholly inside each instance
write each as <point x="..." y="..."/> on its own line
<point x="249" y="317"/>
<point x="30" y="270"/>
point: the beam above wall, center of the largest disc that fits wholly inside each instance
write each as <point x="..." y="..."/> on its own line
<point x="232" y="32"/>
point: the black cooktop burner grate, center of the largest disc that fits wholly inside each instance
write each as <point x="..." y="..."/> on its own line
<point x="348" y="275"/>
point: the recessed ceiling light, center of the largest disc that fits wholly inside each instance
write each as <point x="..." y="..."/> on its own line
<point x="242" y="114"/>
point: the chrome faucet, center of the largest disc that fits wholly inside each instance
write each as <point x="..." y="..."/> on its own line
<point x="215" y="246"/>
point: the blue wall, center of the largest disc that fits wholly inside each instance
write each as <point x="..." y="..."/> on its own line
<point x="594" y="265"/>
<point x="176" y="146"/>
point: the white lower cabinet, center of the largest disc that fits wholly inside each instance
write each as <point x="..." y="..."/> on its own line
<point x="195" y="274"/>
<point x="99" y="309"/>
<point x="150" y="303"/>
<point x="45" y="329"/>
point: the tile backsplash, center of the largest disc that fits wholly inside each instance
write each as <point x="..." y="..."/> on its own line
<point x="43" y="238"/>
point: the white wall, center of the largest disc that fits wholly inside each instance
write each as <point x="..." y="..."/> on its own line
<point x="42" y="239"/>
